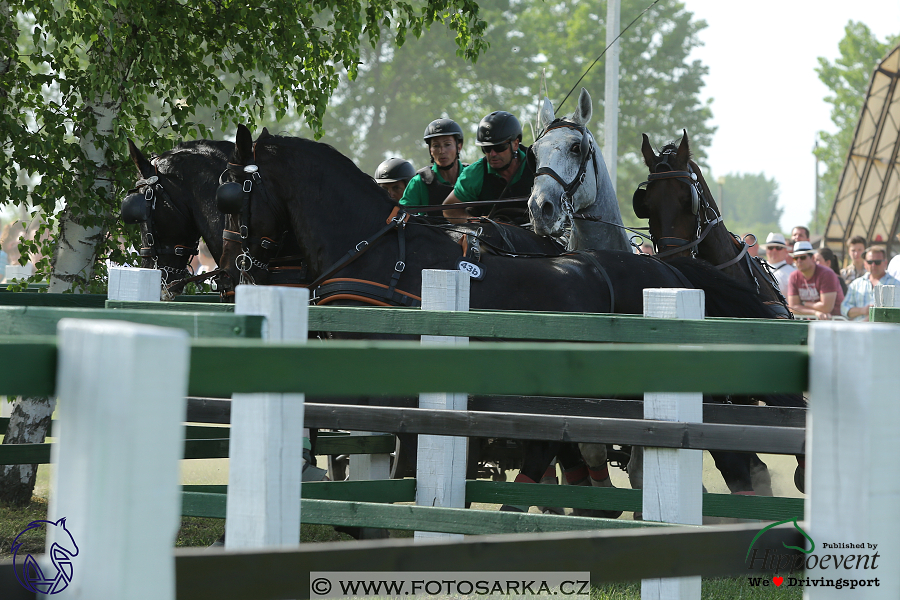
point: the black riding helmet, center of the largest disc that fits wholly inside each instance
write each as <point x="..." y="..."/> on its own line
<point x="394" y="169"/>
<point x="440" y="127"/>
<point x="497" y="128"/>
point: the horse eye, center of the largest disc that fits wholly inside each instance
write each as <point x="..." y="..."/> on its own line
<point x="576" y="149"/>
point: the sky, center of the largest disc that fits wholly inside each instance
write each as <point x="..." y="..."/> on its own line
<point x="768" y="102"/>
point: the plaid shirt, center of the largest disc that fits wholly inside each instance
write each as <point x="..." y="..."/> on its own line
<point x="860" y="293"/>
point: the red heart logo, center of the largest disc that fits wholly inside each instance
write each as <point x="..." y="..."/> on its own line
<point x="777" y="581"/>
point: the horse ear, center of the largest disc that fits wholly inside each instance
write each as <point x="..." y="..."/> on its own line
<point x="265" y="133"/>
<point x="585" y="108"/>
<point x="650" y="158"/>
<point x="684" y="150"/>
<point x="140" y="161"/>
<point x="546" y="115"/>
<point x="243" y="146"/>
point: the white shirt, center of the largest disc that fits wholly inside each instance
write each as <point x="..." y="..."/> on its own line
<point x="782" y="272"/>
<point x="894" y="267"/>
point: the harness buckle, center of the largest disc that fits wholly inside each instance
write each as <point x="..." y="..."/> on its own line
<point x="582" y="178"/>
<point x="148" y="193"/>
<point x="150" y="241"/>
<point x="243" y="262"/>
<point x="248" y="186"/>
<point x="361" y="245"/>
<point x="400" y="266"/>
<point x="245" y="232"/>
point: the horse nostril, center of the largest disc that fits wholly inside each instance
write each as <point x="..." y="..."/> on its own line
<point x="547" y="210"/>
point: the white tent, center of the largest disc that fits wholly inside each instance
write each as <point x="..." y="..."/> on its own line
<point x="868" y="198"/>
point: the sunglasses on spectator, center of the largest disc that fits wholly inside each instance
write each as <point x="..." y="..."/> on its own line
<point x="499" y="148"/>
<point x="776" y="247"/>
<point x="874" y="262"/>
<point x="803" y="256"/>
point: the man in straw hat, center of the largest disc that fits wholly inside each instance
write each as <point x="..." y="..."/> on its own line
<point x="812" y="288"/>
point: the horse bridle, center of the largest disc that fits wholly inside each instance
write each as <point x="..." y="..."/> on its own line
<point x="707" y="217"/>
<point x="588" y="152"/>
<point x="138" y="207"/>
<point x="233" y="197"/>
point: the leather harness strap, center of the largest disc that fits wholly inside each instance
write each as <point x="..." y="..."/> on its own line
<point x="593" y="260"/>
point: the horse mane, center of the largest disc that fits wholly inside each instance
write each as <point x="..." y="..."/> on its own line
<point x="321" y="153"/>
<point x="672" y="148"/>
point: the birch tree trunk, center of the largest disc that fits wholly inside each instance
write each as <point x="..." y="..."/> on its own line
<point x="72" y="267"/>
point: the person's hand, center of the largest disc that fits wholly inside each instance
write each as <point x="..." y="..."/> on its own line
<point x="822" y="316"/>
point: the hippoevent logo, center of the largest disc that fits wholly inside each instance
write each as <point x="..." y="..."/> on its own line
<point x="772" y="559"/>
<point x="64" y="548"/>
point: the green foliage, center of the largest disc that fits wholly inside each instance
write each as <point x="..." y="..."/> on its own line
<point x="399" y="91"/>
<point x="848" y="80"/>
<point x="749" y="203"/>
<point x="78" y="78"/>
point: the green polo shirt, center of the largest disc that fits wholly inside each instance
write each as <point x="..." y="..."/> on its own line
<point x="416" y="193"/>
<point x="471" y="180"/>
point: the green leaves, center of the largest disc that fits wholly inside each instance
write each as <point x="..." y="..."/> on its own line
<point x="169" y="71"/>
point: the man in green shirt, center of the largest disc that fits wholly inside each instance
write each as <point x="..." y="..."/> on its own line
<point x="503" y="172"/>
<point x="432" y="184"/>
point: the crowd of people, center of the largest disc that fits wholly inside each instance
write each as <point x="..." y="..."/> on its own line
<point x="813" y="282"/>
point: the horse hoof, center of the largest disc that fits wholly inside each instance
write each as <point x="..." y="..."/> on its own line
<point x="799" y="478"/>
<point x="552" y="510"/>
<point x="510" y="508"/>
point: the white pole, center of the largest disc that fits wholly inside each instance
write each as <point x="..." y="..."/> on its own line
<point x="266" y="447"/>
<point x="128" y="284"/>
<point x="886" y="295"/>
<point x="611" y="99"/>
<point x="121" y="437"/>
<point x="673" y="478"/>
<point x="852" y="477"/>
<point x="441" y="460"/>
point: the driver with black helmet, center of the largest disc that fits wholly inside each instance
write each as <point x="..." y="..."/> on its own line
<point x="432" y="184"/>
<point x="393" y="175"/>
<point x="503" y="172"/>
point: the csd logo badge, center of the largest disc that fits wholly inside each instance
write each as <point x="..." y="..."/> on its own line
<point x="30" y="574"/>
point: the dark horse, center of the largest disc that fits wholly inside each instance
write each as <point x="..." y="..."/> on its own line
<point x="172" y="202"/>
<point x="360" y="247"/>
<point x="685" y="220"/>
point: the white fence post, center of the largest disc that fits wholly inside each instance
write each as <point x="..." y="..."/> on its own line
<point x="852" y="476"/>
<point x="121" y="436"/>
<point x="130" y="284"/>
<point x="673" y="478"/>
<point x="886" y="295"/>
<point x="441" y="460"/>
<point x="266" y="445"/>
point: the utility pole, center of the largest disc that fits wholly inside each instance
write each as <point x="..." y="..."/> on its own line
<point x="611" y="99"/>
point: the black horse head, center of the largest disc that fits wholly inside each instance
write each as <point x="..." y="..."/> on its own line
<point x="255" y="225"/>
<point x="675" y="197"/>
<point x="174" y="203"/>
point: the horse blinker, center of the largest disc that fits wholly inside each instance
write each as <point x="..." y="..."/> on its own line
<point x="639" y="203"/>
<point x="135" y="209"/>
<point x="230" y="198"/>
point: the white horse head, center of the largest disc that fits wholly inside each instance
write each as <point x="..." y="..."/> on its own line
<point x="572" y="182"/>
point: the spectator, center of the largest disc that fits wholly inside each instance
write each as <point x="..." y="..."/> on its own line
<point x="812" y="288"/>
<point x="861" y="294"/>
<point x="826" y="258"/>
<point x="856" y="248"/>
<point x="776" y="256"/>
<point x="752" y="244"/>
<point x="393" y="175"/>
<point x="503" y="172"/>
<point x="800" y="234"/>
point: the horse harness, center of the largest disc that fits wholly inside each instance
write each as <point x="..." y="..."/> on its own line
<point x="707" y="219"/>
<point x="138" y="207"/>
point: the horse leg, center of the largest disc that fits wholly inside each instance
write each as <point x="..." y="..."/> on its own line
<point x="550" y="478"/>
<point x="636" y="474"/>
<point x="800" y="473"/>
<point x="538" y="456"/>
<point x="743" y="474"/>
<point x="598" y="476"/>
